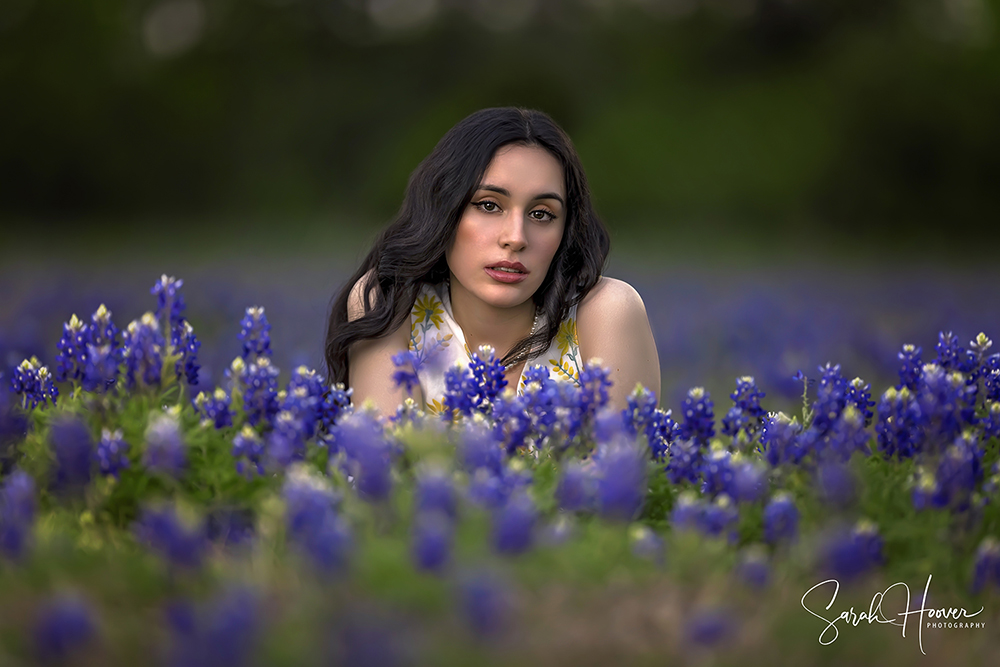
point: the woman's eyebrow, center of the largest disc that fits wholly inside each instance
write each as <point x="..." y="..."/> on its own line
<point x="506" y="193"/>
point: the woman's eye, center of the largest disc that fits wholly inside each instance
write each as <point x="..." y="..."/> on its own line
<point x="541" y="214"/>
<point x="487" y="206"/>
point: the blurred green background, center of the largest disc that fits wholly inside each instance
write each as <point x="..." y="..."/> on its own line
<point x="755" y="129"/>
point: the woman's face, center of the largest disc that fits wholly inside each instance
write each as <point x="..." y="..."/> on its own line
<point x="511" y="229"/>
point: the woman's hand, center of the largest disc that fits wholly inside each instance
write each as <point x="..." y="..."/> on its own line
<point x="612" y="325"/>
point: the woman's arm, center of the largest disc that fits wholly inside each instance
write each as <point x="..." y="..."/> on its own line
<point x="612" y="325"/>
<point x="370" y="366"/>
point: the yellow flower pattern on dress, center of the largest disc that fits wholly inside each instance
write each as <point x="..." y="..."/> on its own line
<point x="433" y="328"/>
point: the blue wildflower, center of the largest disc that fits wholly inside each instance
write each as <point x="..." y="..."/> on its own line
<point x="836" y="483"/>
<point x="102" y="331"/>
<point x="748" y="482"/>
<point x="255" y="334"/>
<point x="17" y="513"/>
<point x="514" y="525"/>
<point x="859" y="394"/>
<point x="716" y="471"/>
<point x="432" y="540"/>
<point x="185" y="344"/>
<point x="847" y="554"/>
<point x="179" y="538"/>
<point x="100" y="371"/>
<point x="698" y="415"/>
<point x="405" y="374"/>
<point x="72" y="358"/>
<point x="867" y="536"/>
<point x="831" y="398"/>
<point x="577" y="489"/>
<point x="910" y="372"/>
<point x="986" y="567"/>
<point x="709" y="627"/>
<point x="312" y="521"/>
<point x="719" y="518"/>
<point x="248" y="450"/>
<point x="746" y="416"/>
<point x="621" y="481"/>
<point x="222" y="632"/>
<point x="952" y="356"/>
<point x="990" y="372"/>
<point x="642" y="416"/>
<point x="65" y="624"/>
<point x="214" y="409"/>
<point x="779" y="439"/>
<point x="286" y="442"/>
<point x="165" y="450"/>
<point x="484" y="603"/>
<point x="512" y="420"/>
<point x="260" y="400"/>
<point x="110" y="452"/>
<point x="230" y="527"/>
<point x="143" y="350"/>
<point x="304" y="399"/>
<point x="898" y="426"/>
<point x="169" y="301"/>
<point x="73" y="447"/>
<point x="991" y="422"/>
<point x="336" y="404"/>
<point x="435" y="492"/>
<point x="781" y="519"/>
<point x="959" y="470"/>
<point x="845" y="436"/>
<point x="753" y="568"/>
<point x="687" y="511"/>
<point x="34" y="383"/>
<point x="685" y="461"/>
<point x="368" y="456"/>
<point x="478" y="448"/>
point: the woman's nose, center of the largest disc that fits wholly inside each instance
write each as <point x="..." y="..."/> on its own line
<point x="512" y="233"/>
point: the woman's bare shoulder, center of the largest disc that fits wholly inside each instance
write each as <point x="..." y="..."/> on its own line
<point x="611" y="297"/>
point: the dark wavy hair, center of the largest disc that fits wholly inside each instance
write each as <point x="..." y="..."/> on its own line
<point x="411" y="250"/>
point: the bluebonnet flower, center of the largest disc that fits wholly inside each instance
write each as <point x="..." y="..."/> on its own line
<point x="304" y="399"/>
<point x="169" y="301"/>
<point x="255" y="334"/>
<point x="952" y="356"/>
<point x="781" y="519"/>
<point x="587" y="398"/>
<point x="221" y="633"/>
<point x="990" y="372"/>
<point x="924" y="489"/>
<point x="716" y="472"/>
<point x="986" y="567"/>
<point x="286" y="442"/>
<point x="110" y="452"/>
<point x="478" y="448"/>
<point x="484" y="603"/>
<point x="846" y="554"/>
<point x="779" y="439"/>
<point x="512" y="420"/>
<point x="65" y="624"/>
<point x="698" y="415"/>
<point x="831" y="397"/>
<point x="685" y="461"/>
<point x="753" y="567"/>
<point x="980" y="346"/>
<point x="72" y="358"/>
<point x="336" y="404"/>
<point x="102" y="331"/>
<point x="143" y="351"/>
<point x="260" y="400"/>
<point x="910" y="372"/>
<point x="514" y="525"/>
<point x="13" y="424"/>
<point x="405" y="374"/>
<point x="845" y="436"/>
<point x="432" y="540"/>
<point x="898" y="427"/>
<point x="642" y="416"/>
<point x="312" y="521"/>
<point x="719" y="518"/>
<point x="34" y="383"/>
<point x="473" y="387"/>
<point x="100" y="371"/>
<point x="248" y="450"/>
<point x="959" y="470"/>
<point x="577" y="489"/>
<point x="621" y="481"/>
<point x="946" y="404"/>
<point x="214" y="409"/>
<point x="836" y="483"/>
<point x="709" y="627"/>
<point x="687" y="511"/>
<point x="368" y="456"/>
<point x="748" y="482"/>
<point x="17" y="513"/>
<point x="185" y="344"/>
<point x="435" y="492"/>
<point x="491" y="491"/>
<point x="646" y="544"/>
<point x="991" y="422"/>
<point x="178" y="537"/>
<point x="746" y="416"/>
<point x="73" y="447"/>
<point x="230" y="527"/>
<point x="165" y="450"/>
<point x="859" y="394"/>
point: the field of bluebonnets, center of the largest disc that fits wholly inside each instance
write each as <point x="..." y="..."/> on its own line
<point x="192" y="492"/>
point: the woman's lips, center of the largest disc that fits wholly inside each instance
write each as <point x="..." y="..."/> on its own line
<point x="502" y="276"/>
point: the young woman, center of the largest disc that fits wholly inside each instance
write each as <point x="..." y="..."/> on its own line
<point x="497" y="243"/>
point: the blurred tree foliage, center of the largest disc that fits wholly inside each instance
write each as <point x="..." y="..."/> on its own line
<point x="844" y="113"/>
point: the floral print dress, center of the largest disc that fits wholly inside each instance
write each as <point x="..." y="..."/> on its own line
<point x="437" y="343"/>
